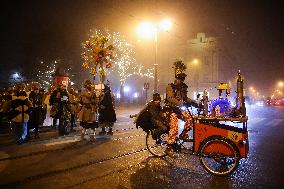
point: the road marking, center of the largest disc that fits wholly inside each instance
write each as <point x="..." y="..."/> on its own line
<point x="276" y="122"/>
<point x="255" y="121"/>
<point x="127" y="137"/>
<point x="62" y="142"/>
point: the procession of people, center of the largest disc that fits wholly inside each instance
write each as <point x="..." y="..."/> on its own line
<point x="25" y="107"/>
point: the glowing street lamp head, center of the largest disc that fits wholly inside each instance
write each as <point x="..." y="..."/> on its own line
<point x="195" y="61"/>
<point x="281" y="84"/>
<point x="126" y="89"/>
<point x="16" y="75"/>
<point x="166" y="25"/>
<point x="146" y="30"/>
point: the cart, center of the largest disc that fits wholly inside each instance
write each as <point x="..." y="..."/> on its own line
<point x="219" y="143"/>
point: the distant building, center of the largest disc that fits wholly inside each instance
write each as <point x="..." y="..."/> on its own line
<point x="208" y="63"/>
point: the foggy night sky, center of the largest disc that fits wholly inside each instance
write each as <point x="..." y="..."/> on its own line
<point x="47" y="30"/>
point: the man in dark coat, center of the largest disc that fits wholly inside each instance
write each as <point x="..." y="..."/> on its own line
<point x="107" y="115"/>
<point x="59" y="101"/>
<point x="36" y="116"/>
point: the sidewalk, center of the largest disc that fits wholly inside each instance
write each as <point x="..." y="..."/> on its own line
<point x="124" y="122"/>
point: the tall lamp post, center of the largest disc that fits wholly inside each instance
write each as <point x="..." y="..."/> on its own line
<point x="147" y="29"/>
<point x="195" y="62"/>
<point x="156" y="64"/>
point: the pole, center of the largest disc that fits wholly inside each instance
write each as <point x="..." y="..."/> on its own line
<point x="146" y="95"/>
<point x="156" y="64"/>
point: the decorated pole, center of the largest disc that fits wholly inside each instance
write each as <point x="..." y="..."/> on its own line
<point x="97" y="56"/>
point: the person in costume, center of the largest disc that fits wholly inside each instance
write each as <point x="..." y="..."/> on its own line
<point x="73" y="100"/>
<point x="107" y="115"/>
<point x="176" y="96"/>
<point x="88" y="112"/>
<point x="59" y="101"/>
<point x="36" y="114"/>
<point x="19" y="108"/>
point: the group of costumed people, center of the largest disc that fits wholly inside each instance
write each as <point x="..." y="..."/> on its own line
<point x="92" y="107"/>
<point x="165" y="119"/>
<point x="23" y="107"/>
<point x="27" y="108"/>
<point x="88" y="114"/>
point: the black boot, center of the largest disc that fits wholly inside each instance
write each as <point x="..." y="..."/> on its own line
<point x="110" y="132"/>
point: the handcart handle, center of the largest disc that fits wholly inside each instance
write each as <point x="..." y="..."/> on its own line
<point x="133" y="115"/>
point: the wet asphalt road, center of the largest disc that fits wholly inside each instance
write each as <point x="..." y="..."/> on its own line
<point x="121" y="161"/>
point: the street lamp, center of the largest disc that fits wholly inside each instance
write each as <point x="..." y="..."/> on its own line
<point x="147" y="30"/>
<point x="195" y="62"/>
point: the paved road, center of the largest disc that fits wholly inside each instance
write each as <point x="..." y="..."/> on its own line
<point x="121" y="161"/>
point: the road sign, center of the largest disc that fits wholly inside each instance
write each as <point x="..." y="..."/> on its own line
<point x="146" y="85"/>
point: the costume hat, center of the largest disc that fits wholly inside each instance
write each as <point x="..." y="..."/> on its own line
<point x="179" y="68"/>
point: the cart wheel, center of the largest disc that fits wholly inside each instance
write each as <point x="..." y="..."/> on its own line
<point x="219" y="156"/>
<point x="157" y="147"/>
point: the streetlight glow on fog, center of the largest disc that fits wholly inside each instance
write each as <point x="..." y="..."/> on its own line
<point x="126" y="89"/>
<point x="165" y="24"/>
<point x="146" y="30"/>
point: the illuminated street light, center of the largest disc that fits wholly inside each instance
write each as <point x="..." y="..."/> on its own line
<point x="118" y="95"/>
<point x="165" y="24"/>
<point x="147" y="30"/>
<point x="135" y="95"/>
<point x="196" y="67"/>
<point x="126" y="89"/>
<point x="195" y="61"/>
<point x="16" y="75"/>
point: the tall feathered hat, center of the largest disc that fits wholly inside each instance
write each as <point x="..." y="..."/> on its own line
<point x="179" y="68"/>
<point x="87" y="83"/>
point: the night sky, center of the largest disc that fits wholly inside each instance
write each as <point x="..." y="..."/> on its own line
<point x="46" y="30"/>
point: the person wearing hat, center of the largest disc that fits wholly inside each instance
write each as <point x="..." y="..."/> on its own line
<point x="59" y="100"/>
<point x="176" y="96"/>
<point x="36" y="110"/>
<point x="107" y="115"/>
<point x="157" y="115"/>
<point x="88" y="112"/>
